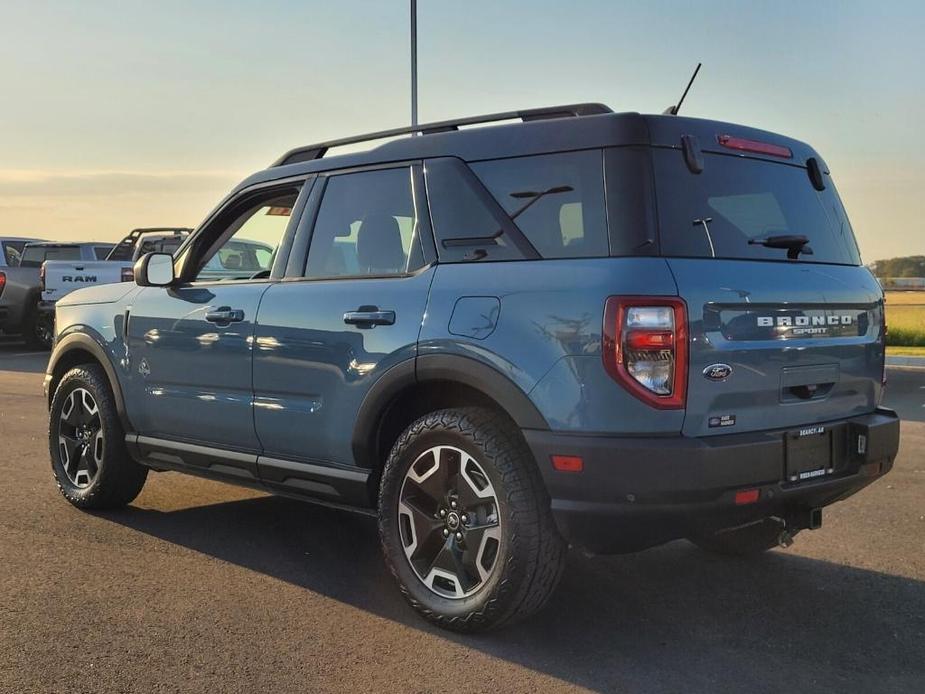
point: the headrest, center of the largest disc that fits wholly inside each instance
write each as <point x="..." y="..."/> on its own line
<point x="379" y="246"/>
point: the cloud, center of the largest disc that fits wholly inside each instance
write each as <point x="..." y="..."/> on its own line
<point x="24" y="183"/>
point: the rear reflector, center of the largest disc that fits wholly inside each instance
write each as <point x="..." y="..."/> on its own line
<point x="743" y="145"/>
<point x="746" y="496"/>
<point x="568" y="463"/>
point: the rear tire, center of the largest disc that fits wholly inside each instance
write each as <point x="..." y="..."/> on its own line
<point x="465" y="523"/>
<point x="38" y="329"/>
<point x="750" y="541"/>
<point x="86" y="442"/>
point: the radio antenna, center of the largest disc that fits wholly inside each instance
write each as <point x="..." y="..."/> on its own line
<point x="673" y="110"/>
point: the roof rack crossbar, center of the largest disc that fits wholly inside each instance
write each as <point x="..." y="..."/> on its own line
<point x="317" y="151"/>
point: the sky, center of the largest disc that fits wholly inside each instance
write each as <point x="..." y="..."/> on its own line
<point x="119" y="114"/>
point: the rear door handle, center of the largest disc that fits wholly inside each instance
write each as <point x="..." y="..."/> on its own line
<point x="225" y="315"/>
<point x="369" y="316"/>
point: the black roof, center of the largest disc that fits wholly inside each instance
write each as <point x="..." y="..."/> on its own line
<point x="553" y="129"/>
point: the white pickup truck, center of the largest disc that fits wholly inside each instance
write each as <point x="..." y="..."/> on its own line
<point x="237" y="258"/>
<point x="61" y="277"/>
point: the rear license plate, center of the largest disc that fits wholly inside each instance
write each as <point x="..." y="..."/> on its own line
<point x="809" y="454"/>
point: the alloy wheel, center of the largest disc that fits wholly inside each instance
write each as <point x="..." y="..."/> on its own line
<point x="449" y="521"/>
<point x="80" y="438"/>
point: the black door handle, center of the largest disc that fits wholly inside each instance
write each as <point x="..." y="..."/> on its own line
<point x="369" y="317"/>
<point x="225" y="315"/>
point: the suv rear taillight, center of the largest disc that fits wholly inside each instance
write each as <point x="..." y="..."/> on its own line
<point x="128" y="274"/>
<point x="645" y="348"/>
<point x="884" y="331"/>
<point x="2" y="281"/>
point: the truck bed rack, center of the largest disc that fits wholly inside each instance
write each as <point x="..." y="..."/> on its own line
<point x="125" y="249"/>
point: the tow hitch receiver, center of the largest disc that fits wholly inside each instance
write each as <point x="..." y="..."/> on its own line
<point x="810" y="519"/>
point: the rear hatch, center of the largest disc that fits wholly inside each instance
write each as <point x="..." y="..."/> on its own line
<point x="775" y="341"/>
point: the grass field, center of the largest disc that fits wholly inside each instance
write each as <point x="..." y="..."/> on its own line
<point x="905" y="319"/>
<point x="905" y="351"/>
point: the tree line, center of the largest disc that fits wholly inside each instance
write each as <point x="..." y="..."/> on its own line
<point x="909" y="266"/>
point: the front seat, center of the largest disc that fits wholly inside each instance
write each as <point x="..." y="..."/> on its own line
<point x="379" y="249"/>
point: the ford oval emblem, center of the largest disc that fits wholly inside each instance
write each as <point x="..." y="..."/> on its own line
<point x="717" y="372"/>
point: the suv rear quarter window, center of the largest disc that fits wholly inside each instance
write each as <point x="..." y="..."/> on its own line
<point x="556" y="200"/>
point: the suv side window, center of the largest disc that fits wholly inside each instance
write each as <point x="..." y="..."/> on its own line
<point x="556" y="200"/>
<point x="12" y="251"/>
<point x="244" y="244"/>
<point x="366" y="226"/>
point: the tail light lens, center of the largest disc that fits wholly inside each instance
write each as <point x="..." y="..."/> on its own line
<point x="883" y="332"/>
<point x="645" y="348"/>
<point x="2" y="281"/>
<point x="128" y="274"/>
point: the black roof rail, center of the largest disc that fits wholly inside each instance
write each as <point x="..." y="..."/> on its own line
<point x="317" y="151"/>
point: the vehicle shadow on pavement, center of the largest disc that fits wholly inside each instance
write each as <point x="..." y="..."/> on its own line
<point x="17" y="357"/>
<point x="669" y="619"/>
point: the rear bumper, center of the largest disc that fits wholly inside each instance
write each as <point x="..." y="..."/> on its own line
<point x="638" y="492"/>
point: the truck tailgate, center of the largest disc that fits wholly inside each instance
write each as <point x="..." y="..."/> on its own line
<point x="63" y="277"/>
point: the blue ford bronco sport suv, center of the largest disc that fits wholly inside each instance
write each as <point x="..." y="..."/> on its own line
<point x="603" y="329"/>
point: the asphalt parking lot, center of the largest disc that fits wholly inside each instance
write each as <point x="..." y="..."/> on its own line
<point x="204" y="587"/>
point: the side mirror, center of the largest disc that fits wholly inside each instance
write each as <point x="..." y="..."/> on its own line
<point x="154" y="270"/>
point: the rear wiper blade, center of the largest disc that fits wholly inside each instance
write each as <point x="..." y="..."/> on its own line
<point x="795" y="244"/>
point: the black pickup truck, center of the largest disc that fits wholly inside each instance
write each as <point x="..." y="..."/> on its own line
<point x="21" y="287"/>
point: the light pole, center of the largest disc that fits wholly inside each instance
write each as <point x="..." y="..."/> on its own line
<point x="414" y="64"/>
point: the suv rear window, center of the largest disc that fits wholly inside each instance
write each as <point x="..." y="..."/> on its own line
<point x="737" y="199"/>
<point x="34" y="256"/>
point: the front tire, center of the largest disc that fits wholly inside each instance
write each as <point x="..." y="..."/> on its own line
<point x="465" y="523"/>
<point x="86" y="442"/>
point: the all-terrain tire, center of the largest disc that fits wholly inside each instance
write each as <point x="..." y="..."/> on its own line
<point x="38" y="329"/>
<point x="118" y="478"/>
<point x="750" y="541"/>
<point x="531" y="553"/>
